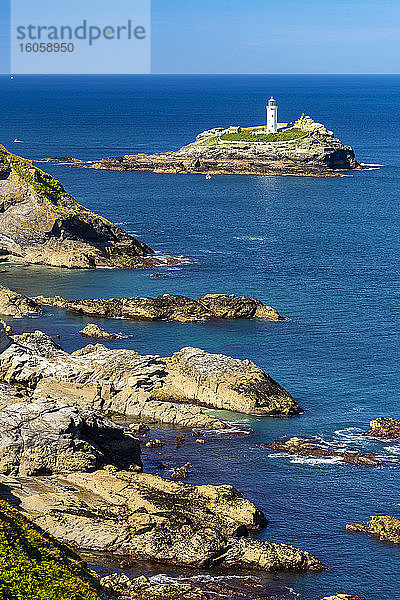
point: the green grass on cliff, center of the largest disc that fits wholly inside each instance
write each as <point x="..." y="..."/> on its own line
<point x="246" y="135"/>
<point x="36" y="566"/>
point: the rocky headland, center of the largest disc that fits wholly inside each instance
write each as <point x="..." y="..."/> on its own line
<point x="299" y="446"/>
<point x="385" y="527"/>
<point x="168" y="307"/>
<point x="384" y="428"/>
<point x="165" y="390"/>
<point x="40" y="223"/>
<point x="303" y="148"/>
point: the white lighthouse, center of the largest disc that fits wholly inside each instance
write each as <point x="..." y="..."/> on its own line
<point x="272" y="116"/>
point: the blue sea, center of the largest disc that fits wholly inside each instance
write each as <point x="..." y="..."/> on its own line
<point x="324" y="252"/>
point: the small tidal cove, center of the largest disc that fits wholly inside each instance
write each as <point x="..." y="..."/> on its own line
<point x="323" y="252"/>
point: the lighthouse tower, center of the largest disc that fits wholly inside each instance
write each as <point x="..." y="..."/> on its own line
<point x="272" y="116"/>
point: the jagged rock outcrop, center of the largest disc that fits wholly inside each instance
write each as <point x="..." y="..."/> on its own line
<point x="150" y="518"/>
<point x="121" y="381"/>
<point x="385" y="429"/>
<point x="160" y="389"/>
<point x="306" y="148"/>
<point x="47" y="437"/>
<point x="41" y="223"/>
<point x="168" y="307"/>
<point x="13" y="304"/>
<point x="299" y="446"/>
<point x="386" y="528"/>
<point x="95" y="331"/>
<point x="223" y="382"/>
<point x="141" y="588"/>
<point x="149" y="387"/>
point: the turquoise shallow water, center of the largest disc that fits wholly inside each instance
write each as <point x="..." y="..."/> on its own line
<point x="324" y="252"/>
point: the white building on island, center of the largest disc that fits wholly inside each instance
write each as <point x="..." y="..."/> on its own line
<point x="272" y="116"/>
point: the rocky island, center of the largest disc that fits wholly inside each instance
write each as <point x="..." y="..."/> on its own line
<point x="167" y="307"/>
<point x="303" y="147"/>
<point x="41" y="223"/>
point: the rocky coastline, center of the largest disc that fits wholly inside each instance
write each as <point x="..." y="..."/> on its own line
<point x="303" y="148"/>
<point x="42" y="224"/>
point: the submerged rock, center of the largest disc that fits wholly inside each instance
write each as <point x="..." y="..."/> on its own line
<point x="168" y="307"/>
<point x="384" y="428"/>
<point x="387" y="528"/>
<point x="150" y="518"/>
<point x="302" y="447"/>
<point x="94" y="331"/>
<point x="223" y="382"/>
<point x="47" y="437"/>
<point x="40" y="223"/>
<point x="13" y="304"/>
<point x="146" y="387"/>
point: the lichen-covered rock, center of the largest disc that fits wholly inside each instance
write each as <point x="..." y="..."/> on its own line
<point x="168" y="307"/>
<point x="150" y="518"/>
<point x="384" y="428"/>
<point x="224" y="306"/>
<point x="41" y="223"/>
<point x="46" y="437"/>
<point x="227" y="383"/>
<point x="13" y="304"/>
<point x="36" y="566"/>
<point x="95" y="331"/>
<point x="302" y="447"/>
<point x="141" y="588"/>
<point x="386" y="528"/>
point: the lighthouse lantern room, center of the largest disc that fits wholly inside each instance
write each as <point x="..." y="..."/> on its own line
<point x="272" y="116"/>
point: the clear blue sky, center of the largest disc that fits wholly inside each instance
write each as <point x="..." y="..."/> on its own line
<point x="263" y="36"/>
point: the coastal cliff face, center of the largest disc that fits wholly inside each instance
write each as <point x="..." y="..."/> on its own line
<point x="306" y="148"/>
<point x="41" y="223"/>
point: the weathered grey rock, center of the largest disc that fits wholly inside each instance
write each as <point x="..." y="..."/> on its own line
<point x="13" y="304"/>
<point x="223" y="382"/>
<point x="41" y="223"/>
<point x="94" y="331"/>
<point x="149" y="518"/>
<point x="181" y="472"/>
<point x="48" y="437"/>
<point x="12" y="395"/>
<point x="168" y="307"/>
